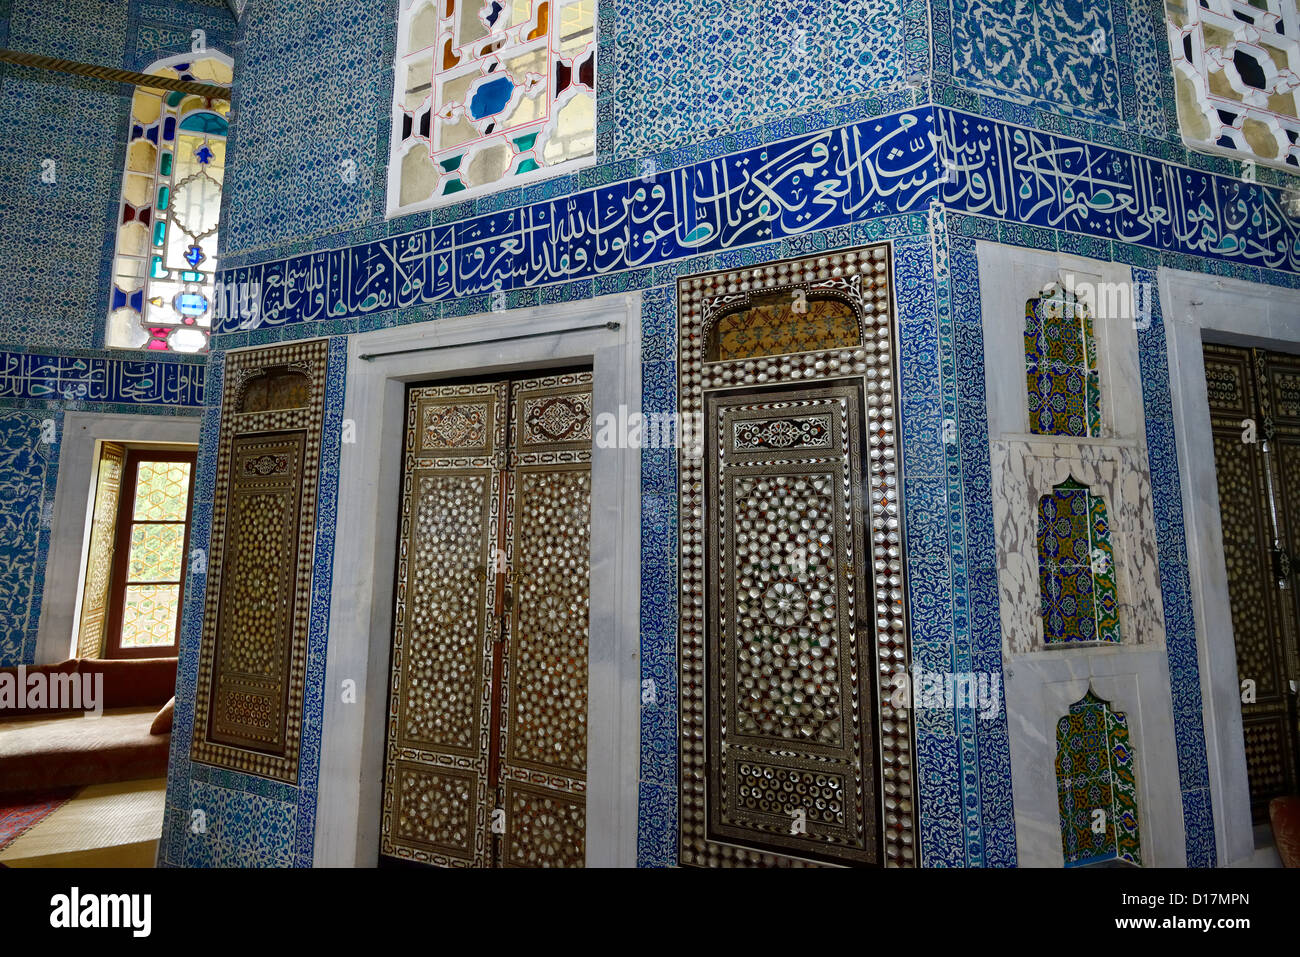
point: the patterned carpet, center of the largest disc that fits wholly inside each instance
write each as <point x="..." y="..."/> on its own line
<point x="21" y="811"/>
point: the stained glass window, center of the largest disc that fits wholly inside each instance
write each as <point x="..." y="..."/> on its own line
<point x="1076" y="567"/>
<point x="150" y="552"/>
<point x="1061" y="366"/>
<point x="1095" y="786"/>
<point x="166" y="256"/>
<point x="1235" y="67"/>
<point x="489" y="92"/>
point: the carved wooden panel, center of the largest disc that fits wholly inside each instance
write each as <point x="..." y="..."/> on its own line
<point x="436" y="800"/>
<point x="248" y="712"/>
<point x="487" y="721"/>
<point x="793" y="596"/>
<point x="544" y="720"/>
<point x="99" y="557"/>
<point x="1255" y="442"/>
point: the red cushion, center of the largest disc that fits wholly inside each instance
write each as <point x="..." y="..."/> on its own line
<point x="68" y="667"/>
<point x="1284" y="814"/>
<point x="133" y="682"/>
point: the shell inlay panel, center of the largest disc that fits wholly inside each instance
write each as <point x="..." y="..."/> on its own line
<point x="253" y="660"/>
<point x="793" y="627"/>
<point x="1255" y="416"/>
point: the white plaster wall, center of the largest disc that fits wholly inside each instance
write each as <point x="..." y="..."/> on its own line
<point x="74" y="502"/>
<point x="1042" y="682"/>
<point x="360" y="637"/>
<point x="1040" y="689"/>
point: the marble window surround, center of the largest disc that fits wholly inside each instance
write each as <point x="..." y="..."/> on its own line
<point x="360" y="620"/>
<point x="1023" y="472"/>
<point x="1040" y="689"/>
<point x="74" y="501"/>
<point x="1042" y="682"/>
<point x="1200" y="309"/>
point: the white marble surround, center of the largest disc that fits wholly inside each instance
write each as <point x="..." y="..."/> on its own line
<point x="1043" y="681"/>
<point x="1023" y="471"/>
<point x="1200" y="309"/>
<point x="360" y="627"/>
<point x="74" y="503"/>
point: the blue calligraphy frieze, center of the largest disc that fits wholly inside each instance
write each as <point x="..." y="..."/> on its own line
<point x="135" y="381"/>
<point x="878" y="167"/>
<point x="1010" y="173"/>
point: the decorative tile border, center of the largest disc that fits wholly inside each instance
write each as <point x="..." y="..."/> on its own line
<point x="1175" y="583"/>
<point x="879" y="167"/>
<point x="87" y="377"/>
<point x="250" y="820"/>
<point x="29" y="464"/>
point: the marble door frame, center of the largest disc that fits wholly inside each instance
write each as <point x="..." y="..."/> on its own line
<point x="74" y="502"/>
<point x="360" y="627"/>
<point x="1198" y="309"/>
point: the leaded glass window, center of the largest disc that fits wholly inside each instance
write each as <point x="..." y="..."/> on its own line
<point x="488" y="94"/>
<point x="1095" y="785"/>
<point x="1235" y="72"/>
<point x="1076" y="567"/>
<point x="166" y="256"/>
<point x="1061" y="366"/>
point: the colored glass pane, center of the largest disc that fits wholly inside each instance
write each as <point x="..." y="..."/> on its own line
<point x="1076" y="573"/>
<point x="156" y="552"/>
<point x="1096" y="788"/>
<point x="149" y="615"/>
<point x="184" y="181"/>
<point x="1061" y="367"/>
<point x="506" y="86"/>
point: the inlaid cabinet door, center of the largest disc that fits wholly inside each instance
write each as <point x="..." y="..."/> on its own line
<point x="790" y="736"/>
<point x="1255" y="450"/>
<point x="436" y="790"/>
<point x="544" y="706"/>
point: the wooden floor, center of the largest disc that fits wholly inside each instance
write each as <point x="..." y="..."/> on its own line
<point x="106" y="825"/>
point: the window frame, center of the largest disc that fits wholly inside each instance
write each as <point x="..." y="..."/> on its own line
<point x="119" y="581"/>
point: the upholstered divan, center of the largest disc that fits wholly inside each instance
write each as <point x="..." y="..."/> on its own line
<point x="44" y="749"/>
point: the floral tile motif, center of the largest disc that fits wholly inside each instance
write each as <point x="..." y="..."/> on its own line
<point x="29" y="444"/>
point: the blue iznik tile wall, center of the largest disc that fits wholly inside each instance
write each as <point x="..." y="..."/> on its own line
<point x="726" y="139"/>
<point x="61" y="156"/>
<point x="28" y="459"/>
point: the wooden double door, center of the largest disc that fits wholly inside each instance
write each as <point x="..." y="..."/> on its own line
<point x="487" y="719"/>
<point x="1255" y="415"/>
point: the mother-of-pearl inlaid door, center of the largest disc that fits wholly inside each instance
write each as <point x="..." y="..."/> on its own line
<point x="487" y="720"/>
<point x="795" y="749"/>
<point x="1255" y="415"/>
